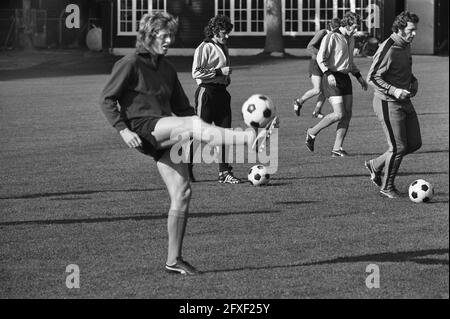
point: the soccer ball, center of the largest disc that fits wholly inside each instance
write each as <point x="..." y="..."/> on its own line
<point x="258" y="175"/>
<point x="420" y="191"/>
<point x="258" y="110"/>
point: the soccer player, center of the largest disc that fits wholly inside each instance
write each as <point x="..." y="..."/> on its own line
<point x="314" y="71"/>
<point x="143" y="99"/>
<point x="211" y="70"/>
<point x="391" y="76"/>
<point x="335" y="59"/>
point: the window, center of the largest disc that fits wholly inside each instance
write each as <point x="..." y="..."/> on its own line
<point x="247" y="16"/>
<point x="131" y="11"/>
<point x="364" y="8"/>
<point x="305" y="17"/>
<point x="343" y="6"/>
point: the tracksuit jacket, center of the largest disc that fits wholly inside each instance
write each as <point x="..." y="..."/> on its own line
<point x="144" y="85"/>
<point x="336" y="54"/>
<point x="209" y="58"/>
<point x="391" y="68"/>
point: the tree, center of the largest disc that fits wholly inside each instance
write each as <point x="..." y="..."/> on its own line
<point x="274" y="37"/>
<point x="27" y="26"/>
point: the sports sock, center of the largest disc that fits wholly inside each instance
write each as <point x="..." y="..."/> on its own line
<point x="176" y="226"/>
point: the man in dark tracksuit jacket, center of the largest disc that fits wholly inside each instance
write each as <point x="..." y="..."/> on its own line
<point x="146" y="86"/>
<point x="391" y="76"/>
<point x="144" y="101"/>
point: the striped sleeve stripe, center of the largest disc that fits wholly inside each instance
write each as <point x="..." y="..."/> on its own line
<point x="385" y="50"/>
<point x="199" y="100"/>
<point x="387" y="122"/>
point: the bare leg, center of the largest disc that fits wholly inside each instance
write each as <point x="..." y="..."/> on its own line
<point x="318" y="109"/>
<point x="315" y="80"/>
<point x="169" y="129"/>
<point x="176" y="178"/>
<point x="344" y="123"/>
<point x="337" y="104"/>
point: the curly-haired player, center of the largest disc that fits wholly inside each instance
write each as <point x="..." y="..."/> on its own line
<point x="211" y="70"/>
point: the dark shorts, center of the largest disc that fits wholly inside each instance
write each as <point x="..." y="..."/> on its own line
<point x="314" y="68"/>
<point x="144" y="127"/>
<point x="343" y="85"/>
<point x="212" y="104"/>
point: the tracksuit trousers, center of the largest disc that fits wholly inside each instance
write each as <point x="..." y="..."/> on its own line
<point x="401" y="127"/>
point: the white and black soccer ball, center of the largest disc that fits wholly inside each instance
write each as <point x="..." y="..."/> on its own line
<point x="258" y="110"/>
<point x="420" y="191"/>
<point x="258" y="175"/>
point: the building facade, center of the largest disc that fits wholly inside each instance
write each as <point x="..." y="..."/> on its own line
<point x="300" y="19"/>
<point x="119" y="20"/>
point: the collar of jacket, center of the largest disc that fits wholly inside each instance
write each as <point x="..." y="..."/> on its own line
<point x="340" y="30"/>
<point x="398" y="40"/>
<point x="214" y="42"/>
<point x="152" y="60"/>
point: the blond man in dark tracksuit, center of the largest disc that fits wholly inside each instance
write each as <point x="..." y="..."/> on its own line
<point x="395" y="85"/>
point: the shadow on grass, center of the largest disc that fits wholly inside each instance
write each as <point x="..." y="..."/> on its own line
<point x="420" y="173"/>
<point x="125" y="218"/>
<point x="184" y="63"/>
<point x="243" y="182"/>
<point x="357" y="175"/>
<point x="296" y="202"/>
<point x="406" y="256"/>
<point x="438" y="201"/>
<point x="431" y="151"/>
<point x="320" y="177"/>
<point x="418" y="152"/>
<point x="87" y="192"/>
<point x="71" y="198"/>
<point x="78" y="62"/>
<point x="74" y="64"/>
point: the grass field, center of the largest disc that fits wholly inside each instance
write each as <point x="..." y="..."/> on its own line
<point x="72" y="193"/>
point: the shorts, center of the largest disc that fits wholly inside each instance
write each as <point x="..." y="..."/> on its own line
<point x="144" y="127"/>
<point x="343" y="85"/>
<point x="212" y="104"/>
<point x="314" y="68"/>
